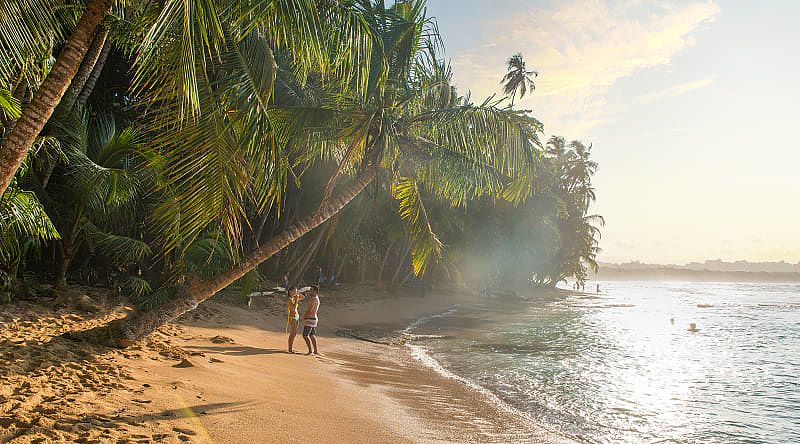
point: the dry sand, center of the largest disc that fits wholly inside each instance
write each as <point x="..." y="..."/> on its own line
<point x="222" y="375"/>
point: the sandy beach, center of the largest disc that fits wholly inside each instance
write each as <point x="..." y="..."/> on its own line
<point x="222" y="375"/>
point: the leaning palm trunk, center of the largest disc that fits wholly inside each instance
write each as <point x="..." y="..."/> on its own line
<point x="87" y="68"/>
<point x="35" y="115"/>
<point x="123" y="332"/>
<point x="88" y="86"/>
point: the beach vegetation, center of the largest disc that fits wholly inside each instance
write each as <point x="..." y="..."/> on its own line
<point x="179" y="148"/>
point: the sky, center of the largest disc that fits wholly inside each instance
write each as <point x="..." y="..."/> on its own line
<point x="690" y="106"/>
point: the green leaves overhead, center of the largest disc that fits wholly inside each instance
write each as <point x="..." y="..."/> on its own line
<point x="171" y="62"/>
<point x="425" y="244"/>
<point x="30" y="30"/>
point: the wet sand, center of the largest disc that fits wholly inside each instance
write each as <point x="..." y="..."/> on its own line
<point x="222" y="375"/>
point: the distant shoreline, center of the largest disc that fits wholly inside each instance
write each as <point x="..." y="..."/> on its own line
<point x="677" y="274"/>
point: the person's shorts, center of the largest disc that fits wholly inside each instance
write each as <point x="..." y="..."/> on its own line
<point x="309" y="331"/>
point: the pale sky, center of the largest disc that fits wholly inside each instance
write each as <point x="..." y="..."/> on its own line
<point x="691" y="107"/>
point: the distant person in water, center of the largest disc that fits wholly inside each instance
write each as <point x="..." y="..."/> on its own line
<point x="598" y="288"/>
<point x="293" y="298"/>
<point x="310" y="319"/>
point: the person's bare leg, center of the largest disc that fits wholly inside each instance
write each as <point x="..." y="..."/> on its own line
<point x="292" y="334"/>
<point x="308" y="343"/>
<point x="314" y="341"/>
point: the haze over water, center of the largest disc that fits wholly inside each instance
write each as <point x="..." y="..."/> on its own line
<point x="623" y="367"/>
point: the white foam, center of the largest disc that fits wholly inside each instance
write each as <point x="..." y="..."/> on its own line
<point x="422" y="355"/>
<point x="451" y="310"/>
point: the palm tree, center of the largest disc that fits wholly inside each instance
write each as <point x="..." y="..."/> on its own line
<point x="177" y="34"/>
<point x="518" y="78"/>
<point x="24" y="224"/>
<point x="34" y="116"/>
<point x="101" y="180"/>
<point x="406" y="126"/>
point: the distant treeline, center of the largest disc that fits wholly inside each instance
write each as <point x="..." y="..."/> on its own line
<point x="677" y="274"/>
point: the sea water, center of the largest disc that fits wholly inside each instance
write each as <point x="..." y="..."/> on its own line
<point x="623" y="366"/>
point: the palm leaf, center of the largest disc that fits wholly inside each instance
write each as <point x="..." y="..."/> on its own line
<point x="9" y="105"/>
<point x="425" y="243"/>
<point x="121" y="250"/>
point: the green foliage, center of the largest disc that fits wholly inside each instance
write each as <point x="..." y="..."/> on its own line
<point x="243" y="115"/>
<point x="9" y="105"/>
<point x="412" y="211"/>
<point x="22" y="220"/>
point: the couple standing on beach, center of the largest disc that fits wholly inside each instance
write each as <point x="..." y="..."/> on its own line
<point x="309" y="318"/>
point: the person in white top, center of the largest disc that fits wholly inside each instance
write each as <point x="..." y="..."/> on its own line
<point x="310" y="319"/>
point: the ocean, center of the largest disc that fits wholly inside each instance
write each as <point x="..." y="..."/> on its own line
<point x="623" y="366"/>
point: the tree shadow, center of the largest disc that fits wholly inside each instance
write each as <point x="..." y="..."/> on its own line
<point x="217" y="408"/>
<point x="234" y="350"/>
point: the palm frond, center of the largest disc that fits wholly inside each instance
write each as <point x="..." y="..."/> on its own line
<point x="29" y="32"/>
<point x="121" y="250"/>
<point x="425" y="243"/>
<point x="21" y="217"/>
<point x="207" y="255"/>
<point x="137" y="287"/>
<point x="10" y="107"/>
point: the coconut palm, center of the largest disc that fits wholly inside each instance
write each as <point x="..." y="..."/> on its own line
<point x="518" y="78"/>
<point x="22" y="22"/>
<point x="406" y="127"/>
<point x="101" y="180"/>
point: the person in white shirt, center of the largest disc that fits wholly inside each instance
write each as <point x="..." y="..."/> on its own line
<point x="310" y="320"/>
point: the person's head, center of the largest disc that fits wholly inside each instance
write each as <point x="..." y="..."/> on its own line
<point x="313" y="290"/>
<point x="291" y="291"/>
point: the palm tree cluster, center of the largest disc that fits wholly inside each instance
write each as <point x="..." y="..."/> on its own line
<point x="168" y="149"/>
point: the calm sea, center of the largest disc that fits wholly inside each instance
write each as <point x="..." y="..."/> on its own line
<point x="623" y="367"/>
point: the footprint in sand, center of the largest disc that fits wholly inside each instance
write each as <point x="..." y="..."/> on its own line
<point x="183" y="431"/>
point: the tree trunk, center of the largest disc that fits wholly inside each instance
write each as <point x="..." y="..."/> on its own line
<point x="362" y="272"/>
<point x="88" y="87"/>
<point x="64" y="260"/>
<point x="84" y="72"/>
<point x="384" y="261"/>
<point x="34" y="116"/>
<point x="402" y="264"/>
<point x="338" y="276"/>
<point x="306" y="262"/>
<point x="123" y="332"/>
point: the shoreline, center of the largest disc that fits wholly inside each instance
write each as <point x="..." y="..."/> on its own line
<point x="221" y="374"/>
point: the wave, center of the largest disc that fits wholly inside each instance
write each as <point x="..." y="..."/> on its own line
<point x="453" y="309"/>
<point x="422" y="354"/>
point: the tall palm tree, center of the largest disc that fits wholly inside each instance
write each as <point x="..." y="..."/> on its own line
<point x="35" y="114"/>
<point x="518" y="78"/>
<point x="406" y="126"/>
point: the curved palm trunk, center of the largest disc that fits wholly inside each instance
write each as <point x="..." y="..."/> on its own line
<point x="35" y="114"/>
<point x="87" y="68"/>
<point x="123" y="332"/>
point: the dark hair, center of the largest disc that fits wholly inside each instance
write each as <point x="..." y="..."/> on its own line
<point x="314" y="287"/>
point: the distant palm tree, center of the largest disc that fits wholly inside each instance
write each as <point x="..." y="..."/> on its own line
<point x="518" y="78"/>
